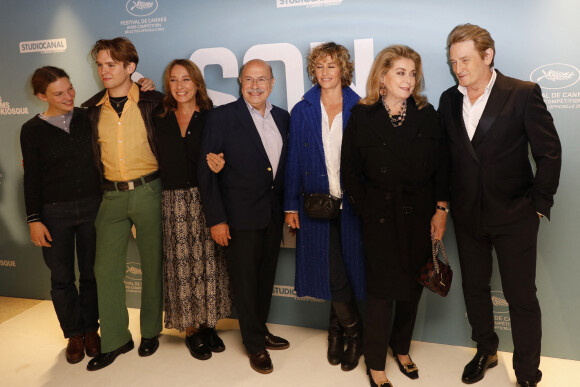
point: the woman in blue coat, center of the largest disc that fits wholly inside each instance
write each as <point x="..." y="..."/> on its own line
<point x="329" y="254"/>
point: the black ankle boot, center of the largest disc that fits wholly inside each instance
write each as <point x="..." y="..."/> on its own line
<point x="349" y="319"/>
<point x="335" y="339"/>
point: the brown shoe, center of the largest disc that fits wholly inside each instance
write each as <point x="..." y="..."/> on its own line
<point x="75" y="350"/>
<point x="92" y="344"/>
<point x="261" y="362"/>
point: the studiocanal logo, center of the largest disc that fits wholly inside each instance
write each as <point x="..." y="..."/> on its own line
<point x="555" y="76"/>
<point x="290" y="292"/>
<point x="501" y="313"/>
<point x="142" y="8"/>
<point x="43" y="46"/>
<point x="307" y="3"/>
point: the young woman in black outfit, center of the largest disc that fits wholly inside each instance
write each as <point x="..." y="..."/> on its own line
<point x="62" y="197"/>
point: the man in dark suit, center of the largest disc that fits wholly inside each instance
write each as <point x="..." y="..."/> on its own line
<point x="243" y="203"/>
<point x="496" y="200"/>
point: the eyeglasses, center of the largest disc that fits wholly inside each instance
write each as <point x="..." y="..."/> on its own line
<point x="250" y="81"/>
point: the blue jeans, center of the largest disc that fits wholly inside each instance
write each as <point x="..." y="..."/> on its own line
<point x="72" y="224"/>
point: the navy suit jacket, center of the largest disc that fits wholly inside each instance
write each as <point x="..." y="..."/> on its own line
<point x="245" y="194"/>
<point x="492" y="181"/>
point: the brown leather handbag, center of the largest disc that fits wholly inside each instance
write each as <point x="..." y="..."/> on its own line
<point x="436" y="275"/>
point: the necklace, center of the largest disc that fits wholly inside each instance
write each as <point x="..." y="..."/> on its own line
<point x="118" y="103"/>
<point x="398" y="121"/>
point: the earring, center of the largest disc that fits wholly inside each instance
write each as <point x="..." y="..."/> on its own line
<point x="383" y="89"/>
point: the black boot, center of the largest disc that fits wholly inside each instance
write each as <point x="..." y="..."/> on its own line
<point x="335" y="339"/>
<point x="349" y="319"/>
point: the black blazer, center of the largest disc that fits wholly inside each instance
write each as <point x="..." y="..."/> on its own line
<point x="245" y="193"/>
<point x="492" y="181"/>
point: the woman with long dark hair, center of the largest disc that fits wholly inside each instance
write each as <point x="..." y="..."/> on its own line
<point x="197" y="290"/>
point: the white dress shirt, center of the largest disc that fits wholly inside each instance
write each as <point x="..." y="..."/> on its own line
<point x="332" y="142"/>
<point x="472" y="112"/>
<point x="269" y="133"/>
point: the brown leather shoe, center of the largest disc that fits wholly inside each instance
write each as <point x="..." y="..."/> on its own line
<point x="261" y="362"/>
<point x="276" y="342"/>
<point x="75" y="350"/>
<point x="92" y="344"/>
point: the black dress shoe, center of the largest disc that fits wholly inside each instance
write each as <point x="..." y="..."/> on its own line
<point x="275" y="342"/>
<point x="261" y="362"/>
<point x="105" y="359"/>
<point x="475" y="369"/>
<point x="410" y="370"/>
<point x="527" y="383"/>
<point x="381" y="384"/>
<point x="212" y="340"/>
<point x="148" y="346"/>
<point x="197" y="346"/>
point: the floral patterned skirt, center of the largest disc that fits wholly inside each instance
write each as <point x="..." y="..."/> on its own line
<point x="197" y="286"/>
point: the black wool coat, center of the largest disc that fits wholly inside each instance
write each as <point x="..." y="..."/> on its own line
<point x="394" y="182"/>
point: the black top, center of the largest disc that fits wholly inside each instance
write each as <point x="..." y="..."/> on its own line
<point x="178" y="156"/>
<point x="58" y="166"/>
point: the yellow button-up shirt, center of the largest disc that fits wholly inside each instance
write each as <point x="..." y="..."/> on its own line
<point x="125" y="150"/>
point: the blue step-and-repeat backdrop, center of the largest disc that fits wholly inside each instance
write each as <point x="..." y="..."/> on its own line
<point x="536" y="40"/>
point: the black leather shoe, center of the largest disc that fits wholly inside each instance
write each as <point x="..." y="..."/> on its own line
<point x="105" y="359"/>
<point x="148" y="346"/>
<point x="381" y="384"/>
<point x="276" y="342"/>
<point x="410" y="370"/>
<point x="261" y="362"/>
<point x="475" y="369"/>
<point x="212" y="340"/>
<point x="197" y="346"/>
<point x="527" y="383"/>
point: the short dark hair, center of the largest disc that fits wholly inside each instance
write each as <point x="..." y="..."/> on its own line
<point x="120" y="49"/>
<point x="44" y="76"/>
<point x="480" y="36"/>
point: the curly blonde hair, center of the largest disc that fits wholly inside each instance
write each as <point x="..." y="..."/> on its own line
<point x="383" y="63"/>
<point x="339" y="54"/>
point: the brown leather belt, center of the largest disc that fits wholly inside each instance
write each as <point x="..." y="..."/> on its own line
<point x="129" y="185"/>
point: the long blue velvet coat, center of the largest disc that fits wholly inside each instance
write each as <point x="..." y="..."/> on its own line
<point x="306" y="173"/>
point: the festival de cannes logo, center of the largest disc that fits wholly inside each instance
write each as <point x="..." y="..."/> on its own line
<point x="134" y="271"/>
<point x="500" y="305"/>
<point x="141" y="8"/>
<point x="555" y="76"/>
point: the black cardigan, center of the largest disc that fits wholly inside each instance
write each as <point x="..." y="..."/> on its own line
<point x="178" y="157"/>
<point x="58" y="167"/>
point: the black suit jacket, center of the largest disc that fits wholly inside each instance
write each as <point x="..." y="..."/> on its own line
<point x="492" y="181"/>
<point x="244" y="193"/>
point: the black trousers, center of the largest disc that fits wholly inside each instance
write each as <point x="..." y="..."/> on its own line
<point x="252" y="257"/>
<point x="340" y="288"/>
<point x="515" y="245"/>
<point x="382" y="331"/>
<point x="72" y="227"/>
